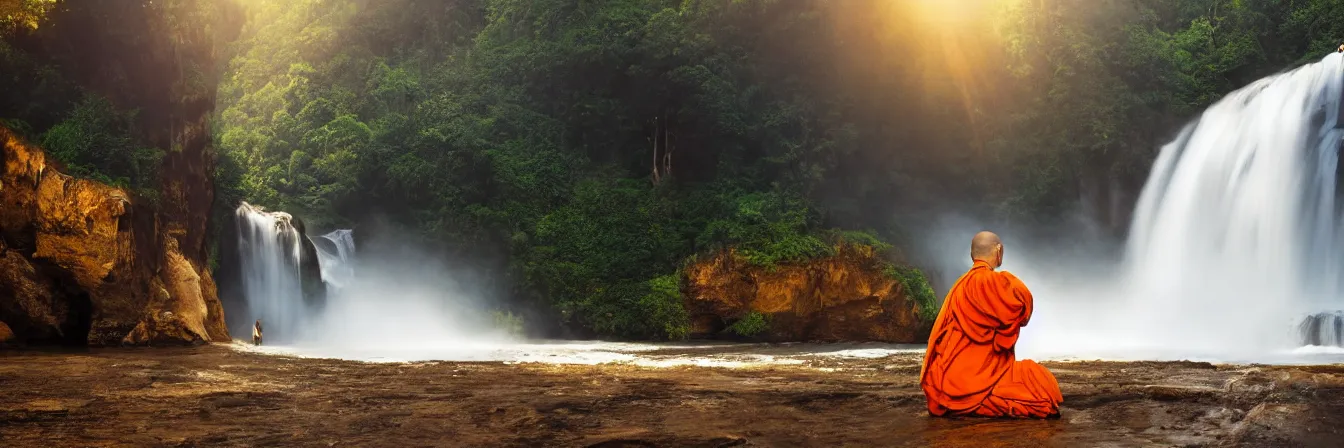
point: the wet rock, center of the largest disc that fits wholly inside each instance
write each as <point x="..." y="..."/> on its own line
<point x="1271" y="424"/>
<point x="40" y="410"/>
<point x="848" y="296"/>
<point x="1181" y="393"/>
<point x="1254" y="383"/>
<point x="1322" y="329"/>
<point x="6" y="335"/>
<point x="310" y="271"/>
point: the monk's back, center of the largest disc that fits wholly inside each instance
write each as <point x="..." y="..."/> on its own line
<point x="971" y="358"/>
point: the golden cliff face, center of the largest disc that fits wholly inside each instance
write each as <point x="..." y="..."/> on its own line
<point x="846" y="297"/>
<point x="71" y="268"/>
<point x="77" y="223"/>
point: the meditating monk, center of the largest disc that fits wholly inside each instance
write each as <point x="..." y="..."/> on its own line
<point x="970" y="368"/>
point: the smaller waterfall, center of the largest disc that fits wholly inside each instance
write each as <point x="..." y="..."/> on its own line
<point x="1323" y="329"/>
<point x="271" y="256"/>
<point x="336" y="258"/>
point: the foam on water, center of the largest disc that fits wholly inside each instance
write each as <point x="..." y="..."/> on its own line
<point x="594" y="352"/>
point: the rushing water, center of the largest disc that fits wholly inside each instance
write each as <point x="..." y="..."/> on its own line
<point x="1234" y="235"/>
<point x="1233" y="242"/>
<point x="271" y="253"/>
<point x="335" y="254"/>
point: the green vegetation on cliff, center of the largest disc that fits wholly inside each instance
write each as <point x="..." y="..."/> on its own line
<point x="96" y="141"/>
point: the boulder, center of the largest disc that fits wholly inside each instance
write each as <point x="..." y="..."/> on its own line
<point x="78" y="227"/>
<point x="180" y="311"/>
<point x="850" y="296"/>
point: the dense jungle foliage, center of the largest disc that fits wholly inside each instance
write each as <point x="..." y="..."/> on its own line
<point x="586" y="149"/>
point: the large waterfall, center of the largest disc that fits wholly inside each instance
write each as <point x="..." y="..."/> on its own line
<point x="271" y="256"/>
<point x="1235" y="235"/>
<point x="273" y="266"/>
<point x="1233" y="251"/>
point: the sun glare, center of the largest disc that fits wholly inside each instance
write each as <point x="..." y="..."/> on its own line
<point x="948" y="14"/>
<point x="955" y="36"/>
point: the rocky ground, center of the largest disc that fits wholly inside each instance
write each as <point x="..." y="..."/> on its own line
<point x="218" y="396"/>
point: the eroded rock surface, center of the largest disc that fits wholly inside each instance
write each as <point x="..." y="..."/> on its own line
<point x="215" y="396"/>
<point x="73" y="268"/>
<point x="846" y="297"/>
<point x="29" y="299"/>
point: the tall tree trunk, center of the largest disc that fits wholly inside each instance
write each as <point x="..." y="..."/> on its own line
<point x="667" y="152"/>
<point x="656" y="178"/>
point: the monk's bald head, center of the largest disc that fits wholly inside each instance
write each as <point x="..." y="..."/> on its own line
<point x="987" y="247"/>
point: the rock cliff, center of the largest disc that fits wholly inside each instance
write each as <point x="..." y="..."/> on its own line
<point x="310" y="270"/>
<point x="851" y="296"/>
<point x="80" y="262"/>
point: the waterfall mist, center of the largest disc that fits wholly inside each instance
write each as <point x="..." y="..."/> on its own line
<point x="386" y="297"/>
<point x="1232" y="244"/>
<point x="400" y="299"/>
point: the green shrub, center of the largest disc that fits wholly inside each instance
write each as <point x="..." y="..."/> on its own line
<point x="646" y="310"/>
<point x="860" y="237"/>
<point x="767" y="229"/>
<point x="751" y="324"/>
<point x="663" y="305"/>
<point x="20" y="127"/>
<point x="94" y="141"/>
<point x="917" y="287"/>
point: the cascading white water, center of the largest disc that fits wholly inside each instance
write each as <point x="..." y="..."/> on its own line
<point x="336" y="260"/>
<point x="271" y="254"/>
<point x="1233" y="238"/>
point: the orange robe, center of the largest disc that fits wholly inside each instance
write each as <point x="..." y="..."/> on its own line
<point x="970" y="367"/>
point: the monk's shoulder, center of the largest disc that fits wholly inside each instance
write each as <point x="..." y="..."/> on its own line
<point x="988" y="279"/>
<point x="1011" y="281"/>
<point x="1010" y="277"/>
<point x="982" y="276"/>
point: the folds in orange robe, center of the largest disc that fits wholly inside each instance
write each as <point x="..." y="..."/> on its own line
<point x="970" y="367"/>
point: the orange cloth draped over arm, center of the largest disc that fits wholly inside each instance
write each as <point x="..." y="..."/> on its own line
<point x="970" y="367"/>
